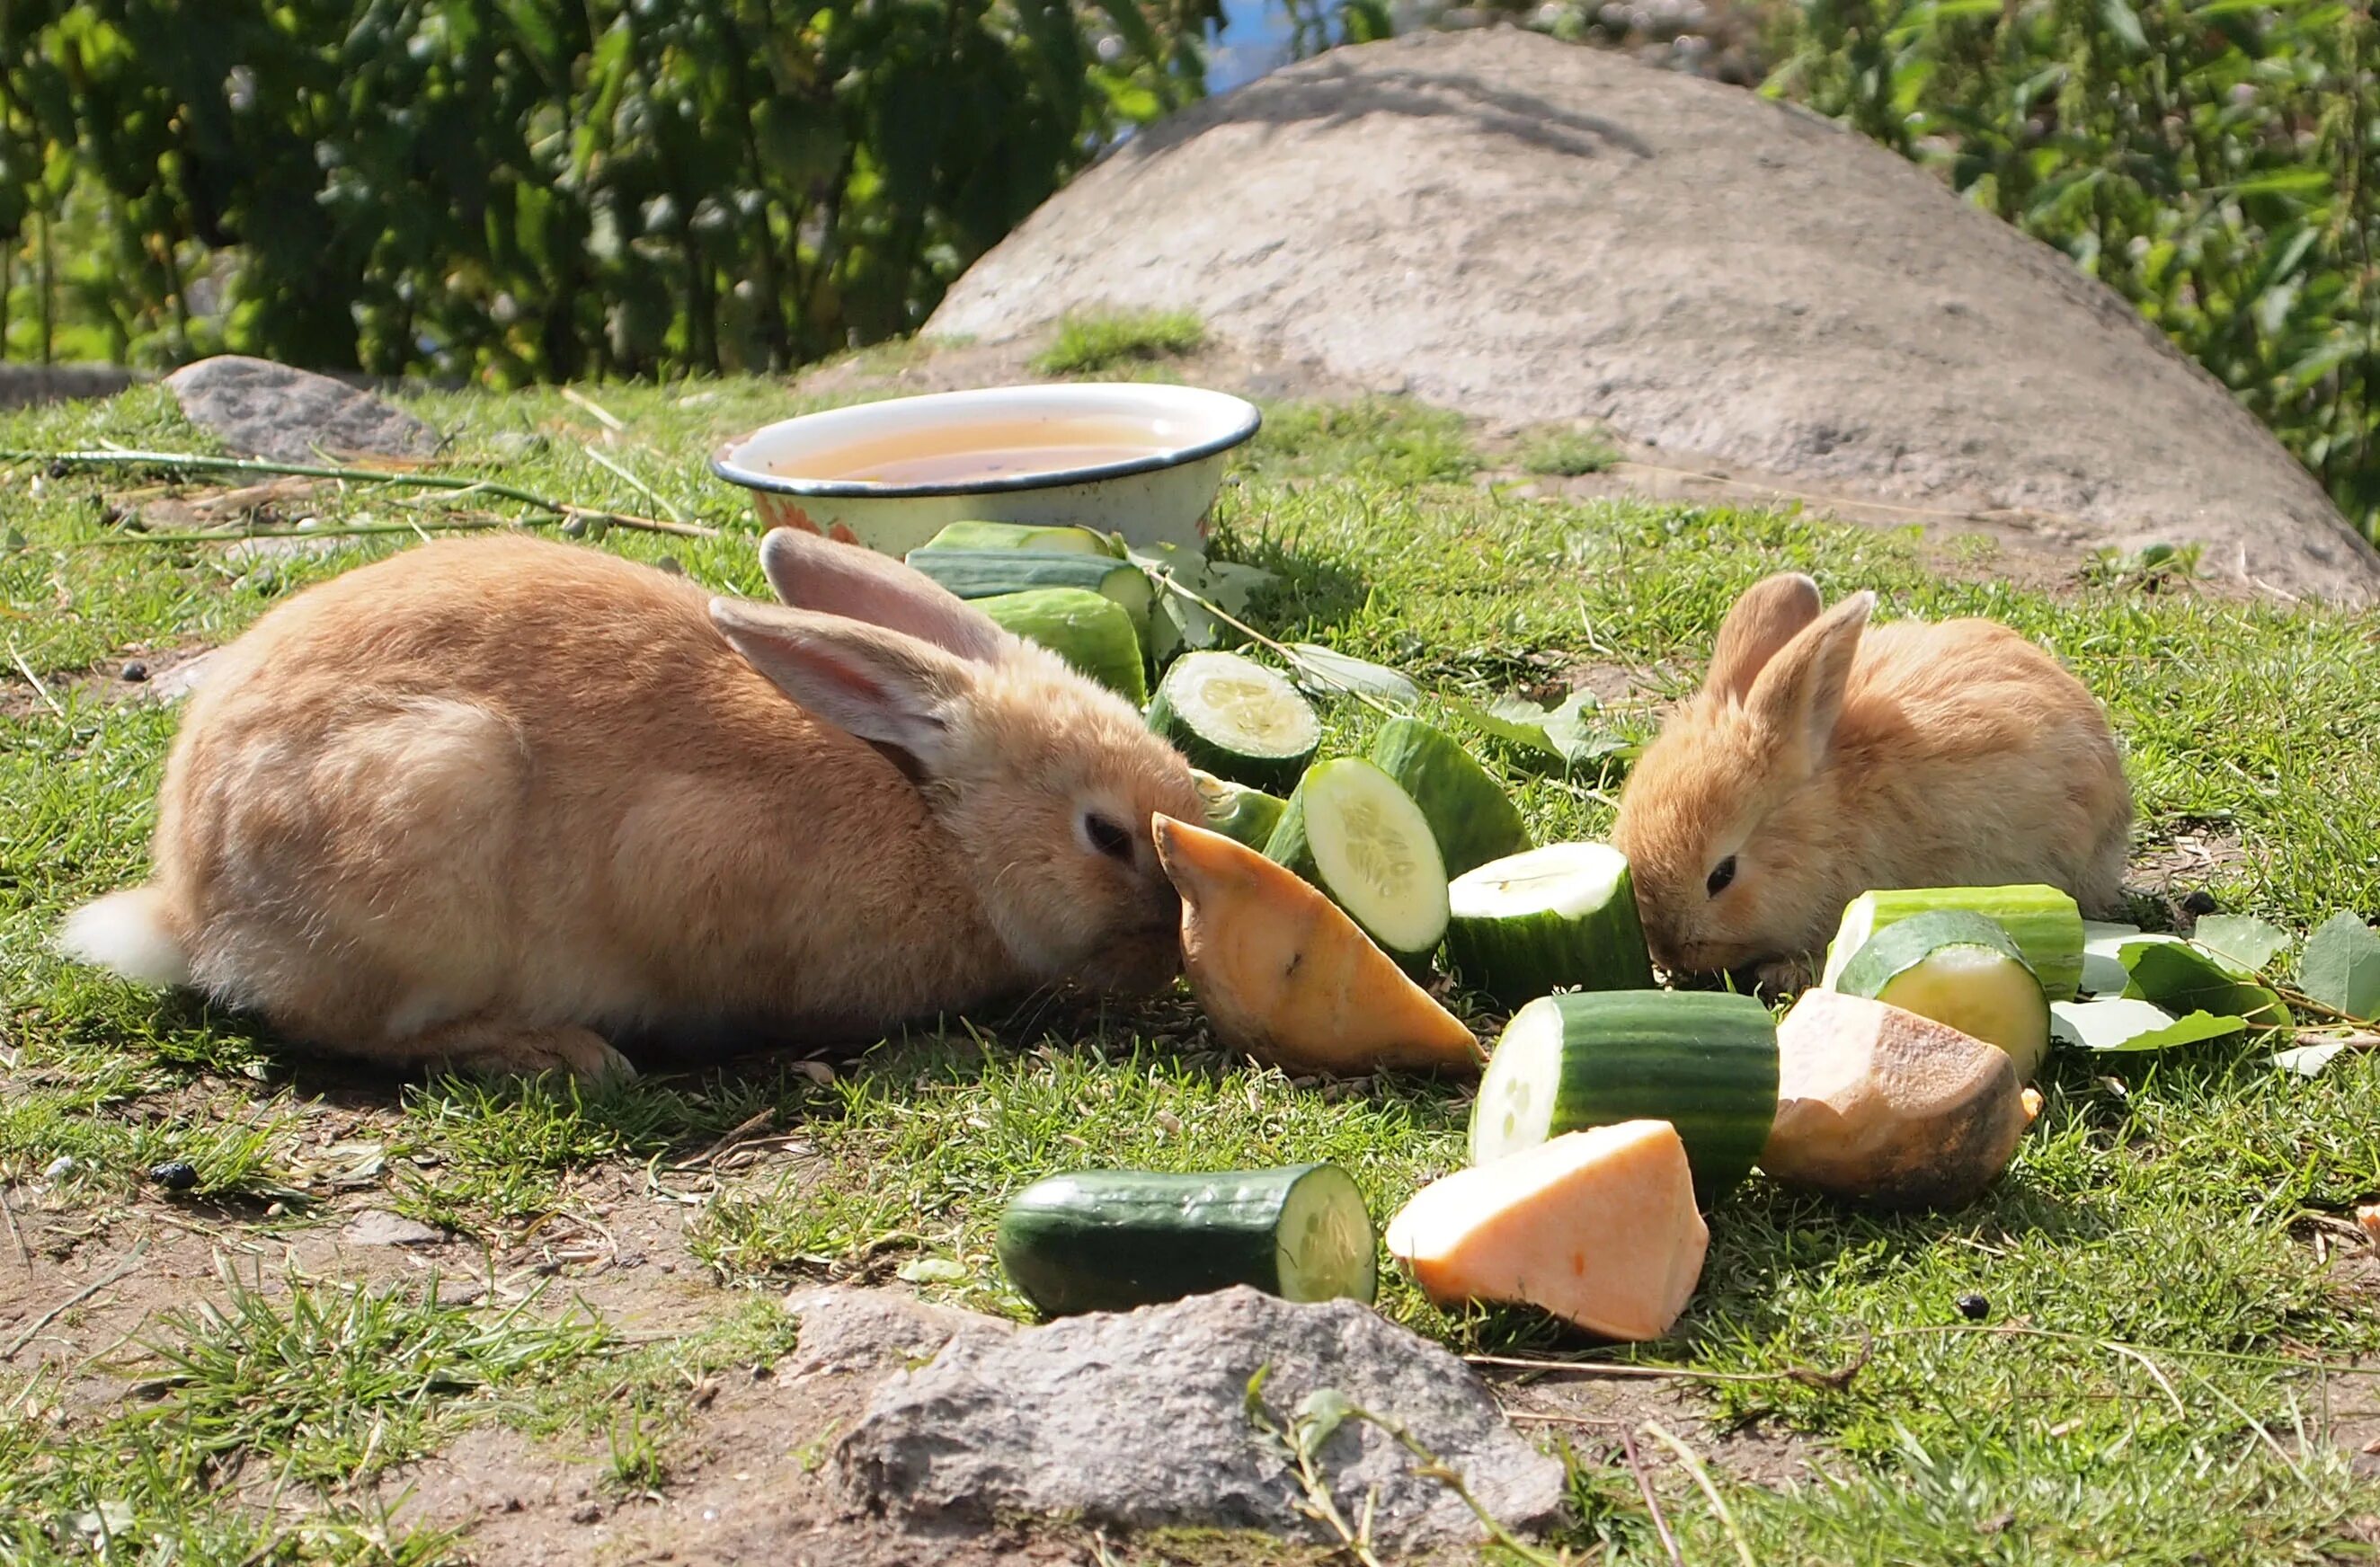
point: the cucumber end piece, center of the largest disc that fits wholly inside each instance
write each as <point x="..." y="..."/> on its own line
<point x="1515" y="1107"/>
<point x="1326" y="1247"/>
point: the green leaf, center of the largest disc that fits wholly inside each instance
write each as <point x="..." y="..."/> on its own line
<point x="2180" y="977"/>
<point x="2341" y="966"/>
<point x="1561" y="732"/>
<point x="2244" y="939"/>
<point x="1181" y="623"/>
<point x="1320" y="1416"/>
<point x="1326" y="672"/>
<point x="2103" y="972"/>
<point x="2308" y="1060"/>
<point x="2125" y="23"/>
<point x="2116" y="1024"/>
<point x="932" y="1271"/>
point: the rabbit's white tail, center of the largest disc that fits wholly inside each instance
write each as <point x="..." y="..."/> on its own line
<point x="130" y="933"/>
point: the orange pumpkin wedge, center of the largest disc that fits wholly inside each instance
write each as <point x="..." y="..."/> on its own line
<point x="1598" y="1227"/>
<point x="1283" y="975"/>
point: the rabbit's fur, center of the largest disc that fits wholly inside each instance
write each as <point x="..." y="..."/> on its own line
<point x="492" y="804"/>
<point x="1826" y="758"/>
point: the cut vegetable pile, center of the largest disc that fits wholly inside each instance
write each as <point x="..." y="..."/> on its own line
<point x="1323" y="897"/>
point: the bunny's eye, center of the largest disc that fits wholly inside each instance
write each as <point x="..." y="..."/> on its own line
<point x="1106" y="836"/>
<point x="1721" y="874"/>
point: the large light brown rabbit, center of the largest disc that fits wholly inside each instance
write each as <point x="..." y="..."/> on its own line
<point x="494" y="804"/>
<point x="1823" y="758"/>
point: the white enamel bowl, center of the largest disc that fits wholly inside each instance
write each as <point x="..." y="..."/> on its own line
<point x="1157" y="496"/>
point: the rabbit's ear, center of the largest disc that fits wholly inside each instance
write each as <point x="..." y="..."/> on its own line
<point x="809" y="571"/>
<point x="1798" y="695"/>
<point x="1769" y="615"/>
<point x="878" y="685"/>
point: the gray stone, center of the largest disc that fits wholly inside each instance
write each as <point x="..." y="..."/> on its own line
<point x="1529" y="232"/>
<point x="23" y="386"/>
<point x="377" y="1226"/>
<point x="1138" y="1421"/>
<point x="270" y="410"/>
<point x="846" y="1329"/>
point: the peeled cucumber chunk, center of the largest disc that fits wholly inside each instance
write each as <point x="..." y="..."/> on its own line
<point x="1703" y="1061"/>
<point x="1236" y="719"/>
<point x="1351" y="831"/>
<point x="1022" y="535"/>
<point x="2041" y="921"/>
<point x="1562" y="917"/>
<point x="982" y="573"/>
<point x="1088" y="630"/>
<point x="1472" y="817"/>
<point x="1961" y="970"/>
<point x="1242" y="814"/>
<point x="1108" y="1240"/>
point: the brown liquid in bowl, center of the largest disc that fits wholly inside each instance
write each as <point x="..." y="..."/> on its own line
<point x="984" y="452"/>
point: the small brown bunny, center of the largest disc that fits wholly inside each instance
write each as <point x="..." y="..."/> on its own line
<point x="1822" y="759"/>
<point x="494" y="804"/>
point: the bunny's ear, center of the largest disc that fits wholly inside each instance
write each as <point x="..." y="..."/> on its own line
<point x="1799" y="694"/>
<point x="1769" y="615"/>
<point x="808" y="572"/>
<point x="878" y="684"/>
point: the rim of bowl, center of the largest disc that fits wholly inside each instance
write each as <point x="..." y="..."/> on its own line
<point x="1243" y="426"/>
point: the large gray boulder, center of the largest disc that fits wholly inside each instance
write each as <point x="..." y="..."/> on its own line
<point x="293" y="415"/>
<point x="1530" y="231"/>
<point x="1139" y="1420"/>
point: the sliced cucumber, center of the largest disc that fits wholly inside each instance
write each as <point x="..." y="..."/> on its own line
<point x="2041" y="921"/>
<point x="1959" y="969"/>
<point x="1020" y="536"/>
<point x="984" y="573"/>
<point x="1244" y="815"/>
<point x="1236" y="719"/>
<point x="1108" y="1240"/>
<point x="1562" y="917"/>
<point x="1703" y="1061"/>
<point x="1473" y="820"/>
<point x="1351" y="831"/>
<point x="1088" y="630"/>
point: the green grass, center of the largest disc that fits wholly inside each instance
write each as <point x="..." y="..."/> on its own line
<point x="1086" y="344"/>
<point x="1565" y="453"/>
<point x="2162" y="1404"/>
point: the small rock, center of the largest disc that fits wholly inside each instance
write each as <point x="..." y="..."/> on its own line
<point x="2198" y="901"/>
<point x="274" y="411"/>
<point x="135" y="671"/>
<point x="865" y="1330"/>
<point x="377" y="1226"/>
<point x="58" y="1168"/>
<point x="586" y="1512"/>
<point x="1974" y="1306"/>
<point x="174" y="681"/>
<point x="175" y="1174"/>
<point x="1138" y="1421"/>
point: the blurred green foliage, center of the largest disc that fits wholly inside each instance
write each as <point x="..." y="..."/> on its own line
<point x="2215" y="162"/>
<point x="519" y="190"/>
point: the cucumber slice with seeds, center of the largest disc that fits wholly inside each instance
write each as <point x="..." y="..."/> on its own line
<point x="2041" y="921"/>
<point x="1108" y="1240"/>
<point x="1351" y="831"/>
<point x="1961" y="970"/>
<point x="1562" y="917"/>
<point x="1236" y="719"/>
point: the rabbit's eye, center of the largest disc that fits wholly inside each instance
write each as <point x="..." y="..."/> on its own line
<point x="1108" y="836"/>
<point x="1721" y="874"/>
